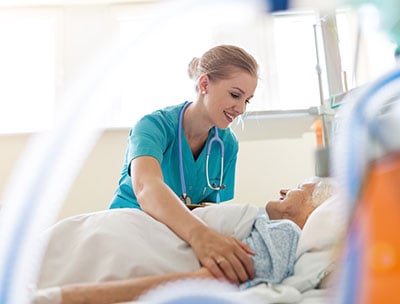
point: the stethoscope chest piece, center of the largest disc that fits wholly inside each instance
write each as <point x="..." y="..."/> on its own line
<point x="186" y="199"/>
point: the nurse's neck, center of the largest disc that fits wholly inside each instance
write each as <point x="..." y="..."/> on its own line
<point x="196" y="129"/>
<point x="196" y="123"/>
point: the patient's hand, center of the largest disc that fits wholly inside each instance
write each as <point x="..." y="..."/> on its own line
<point x="203" y="272"/>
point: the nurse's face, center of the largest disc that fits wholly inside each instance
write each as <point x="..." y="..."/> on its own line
<point x="295" y="204"/>
<point x="226" y="99"/>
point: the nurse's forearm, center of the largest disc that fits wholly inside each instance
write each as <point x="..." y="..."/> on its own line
<point x="158" y="200"/>
<point x="162" y="204"/>
<point x="122" y="290"/>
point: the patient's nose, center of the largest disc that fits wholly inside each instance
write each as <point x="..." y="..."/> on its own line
<point x="283" y="192"/>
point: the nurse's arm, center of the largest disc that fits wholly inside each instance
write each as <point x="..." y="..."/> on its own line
<point x="159" y="201"/>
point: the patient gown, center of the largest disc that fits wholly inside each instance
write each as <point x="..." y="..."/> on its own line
<point x="275" y="244"/>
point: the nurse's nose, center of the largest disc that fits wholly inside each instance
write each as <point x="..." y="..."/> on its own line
<point x="240" y="107"/>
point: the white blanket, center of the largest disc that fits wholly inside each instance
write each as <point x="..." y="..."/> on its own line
<point x="124" y="243"/>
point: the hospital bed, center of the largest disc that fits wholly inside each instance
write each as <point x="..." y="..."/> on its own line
<point x="126" y="243"/>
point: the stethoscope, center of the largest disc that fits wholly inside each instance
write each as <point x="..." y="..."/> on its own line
<point x="184" y="196"/>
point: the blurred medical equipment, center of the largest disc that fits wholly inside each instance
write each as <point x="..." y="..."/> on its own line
<point x="184" y="196"/>
<point x="196" y="292"/>
<point x="388" y="12"/>
<point x="322" y="160"/>
<point x="324" y="112"/>
<point x="42" y="177"/>
<point x="327" y="111"/>
<point x="367" y="165"/>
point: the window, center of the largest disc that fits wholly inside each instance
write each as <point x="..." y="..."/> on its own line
<point x="155" y="72"/>
<point x="27" y="74"/>
<point x="296" y="78"/>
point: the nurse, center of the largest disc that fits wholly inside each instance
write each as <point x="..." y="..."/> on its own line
<point x="186" y="154"/>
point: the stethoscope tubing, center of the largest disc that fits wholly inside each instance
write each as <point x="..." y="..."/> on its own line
<point x="214" y="139"/>
<point x="217" y="139"/>
<point x="180" y="129"/>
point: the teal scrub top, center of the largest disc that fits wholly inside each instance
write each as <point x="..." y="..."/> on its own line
<point x="156" y="135"/>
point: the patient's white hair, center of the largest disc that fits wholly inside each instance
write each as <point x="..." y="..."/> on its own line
<point x="325" y="187"/>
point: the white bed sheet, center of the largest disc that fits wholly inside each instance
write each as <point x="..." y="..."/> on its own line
<point x="125" y="243"/>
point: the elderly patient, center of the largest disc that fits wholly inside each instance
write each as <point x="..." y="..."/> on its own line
<point x="272" y="235"/>
<point x="297" y="204"/>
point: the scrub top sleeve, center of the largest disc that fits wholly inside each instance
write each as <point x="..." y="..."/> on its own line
<point x="147" y="138"/>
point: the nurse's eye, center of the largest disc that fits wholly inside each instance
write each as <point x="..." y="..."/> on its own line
<point x="235" y="95"/>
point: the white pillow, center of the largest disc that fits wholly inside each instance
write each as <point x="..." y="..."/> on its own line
<point x="318" y="239"/>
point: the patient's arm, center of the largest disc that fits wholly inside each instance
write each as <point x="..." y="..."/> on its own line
<point x="122" y="290"/>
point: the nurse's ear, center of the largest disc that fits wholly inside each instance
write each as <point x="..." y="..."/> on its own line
<point x="203" y="83"/>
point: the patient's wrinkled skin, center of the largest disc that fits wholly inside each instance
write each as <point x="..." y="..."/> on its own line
<point x="295" y="204"/>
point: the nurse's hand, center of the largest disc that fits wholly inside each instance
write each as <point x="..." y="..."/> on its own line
<point x="224" y="256"/>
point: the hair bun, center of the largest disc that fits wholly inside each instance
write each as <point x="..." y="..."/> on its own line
<point x="193" y="67"/>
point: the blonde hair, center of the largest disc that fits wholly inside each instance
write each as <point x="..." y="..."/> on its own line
<point x="220" y="62"/>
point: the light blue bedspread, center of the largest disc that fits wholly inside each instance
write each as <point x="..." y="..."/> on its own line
<point x="275" y="242"/>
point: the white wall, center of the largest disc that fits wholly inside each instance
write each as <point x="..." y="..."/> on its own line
<point x="266" y="166"/>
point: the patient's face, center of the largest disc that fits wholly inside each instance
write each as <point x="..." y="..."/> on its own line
<point x="293" y="204"/>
